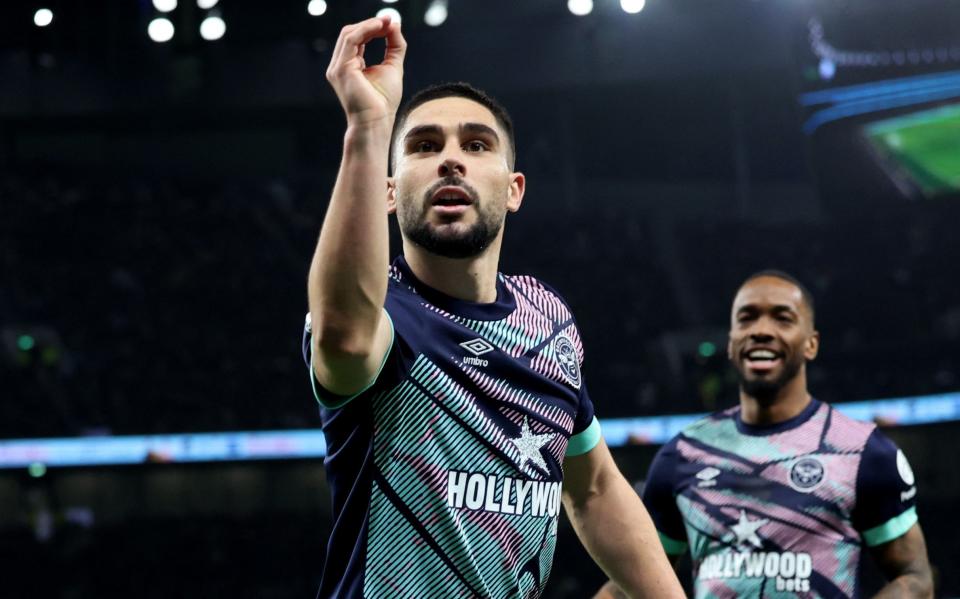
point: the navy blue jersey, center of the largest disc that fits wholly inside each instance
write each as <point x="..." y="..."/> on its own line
<point x="779" y="511"/>
<point x="446" y="471"/>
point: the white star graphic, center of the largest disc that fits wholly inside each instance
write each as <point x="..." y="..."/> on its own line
<point x="746" y="530"/>
<point x="529" y="445"/>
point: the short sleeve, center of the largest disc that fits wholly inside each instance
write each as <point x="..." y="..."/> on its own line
<point x="586" y="427"/>
<point x="660" y="501"/>
<point x="324" y="397"/>
<point x="886" y="492"/>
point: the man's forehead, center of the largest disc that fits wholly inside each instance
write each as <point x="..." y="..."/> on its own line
<point x="769" y="291"/>
<point x="451" y="111"/>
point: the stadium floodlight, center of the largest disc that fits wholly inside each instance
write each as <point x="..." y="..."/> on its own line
<point x="632" y="6"/>
<point x="827" y="68"/>
<point x="206" y="4"/>
<point x="43" y="17"/>
<point x="212" y="28"/>
<point x="160" y="30"/>
<point x="317" y="7"/>
<point x="165" y="5"/>
<point x="436" y="13"/>
<point x="580" y="7"/>
<point x="393" y="13"/>
<point x="389" y="1"/>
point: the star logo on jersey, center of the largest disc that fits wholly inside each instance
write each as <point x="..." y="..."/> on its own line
<point x="477" y="346"/>
<point x="745" y="532"/>
<point x="567" y="358"/>
<point x="530" y="445"/>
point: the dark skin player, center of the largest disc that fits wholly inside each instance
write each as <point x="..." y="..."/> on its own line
<point x="772" y="338"/>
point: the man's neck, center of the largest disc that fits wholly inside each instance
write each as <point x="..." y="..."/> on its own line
<point x="788" y="402"/>
<point x="470" y="279"/>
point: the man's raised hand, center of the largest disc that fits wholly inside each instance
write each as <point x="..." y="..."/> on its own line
<point x="368" y="93"/>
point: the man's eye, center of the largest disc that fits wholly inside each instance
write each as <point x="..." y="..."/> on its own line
<point x="425" y="146"/>
<point x="475" y="146"/>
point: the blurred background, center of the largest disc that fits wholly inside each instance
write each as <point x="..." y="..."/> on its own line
<point x="165" y="168"/>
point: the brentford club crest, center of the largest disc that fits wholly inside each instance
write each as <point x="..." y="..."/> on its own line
<point x="567" y="359"/>
<point x="807" y="474"/>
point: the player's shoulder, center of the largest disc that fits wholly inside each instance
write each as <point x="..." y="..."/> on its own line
<point x="708" y="422"/>
<point x="537" y="291"/>
<point x="846" y="432"/>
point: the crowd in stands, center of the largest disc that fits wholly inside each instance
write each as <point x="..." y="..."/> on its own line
<point x="159" y="306"/>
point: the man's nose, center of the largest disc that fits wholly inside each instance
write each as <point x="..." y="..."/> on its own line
<point x="761" y="332"/>
<point x="451" y="167"/>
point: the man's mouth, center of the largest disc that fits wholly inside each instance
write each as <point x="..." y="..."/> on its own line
<point x="761" y="360"/>
<point x="451" y="200"/>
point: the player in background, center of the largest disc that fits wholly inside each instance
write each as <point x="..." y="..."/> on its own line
<point x="777" y="496"/>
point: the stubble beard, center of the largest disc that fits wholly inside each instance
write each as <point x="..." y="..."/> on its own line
<point x="412" y="218"/>
<point x="765" y="391"/>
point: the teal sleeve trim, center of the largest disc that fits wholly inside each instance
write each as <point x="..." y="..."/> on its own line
<point x="671" y="546"/>
<point x="340" y="400"/>
<point x="584" y="441"/>
<point x="891" y="529"/>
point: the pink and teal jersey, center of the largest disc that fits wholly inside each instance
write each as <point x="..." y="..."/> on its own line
<point x="779" y="511"/>
<point x="446" y="471"/>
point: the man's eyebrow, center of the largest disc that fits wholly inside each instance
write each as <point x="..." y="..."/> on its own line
<point x="776" y="309"/>
<point x="420" y="130"/>
<point x="480" y="129"/>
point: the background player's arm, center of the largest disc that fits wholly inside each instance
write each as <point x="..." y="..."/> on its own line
<point x="614" y="527"/>
<point x="347" y="284"/>
<point x="904" y="562"/>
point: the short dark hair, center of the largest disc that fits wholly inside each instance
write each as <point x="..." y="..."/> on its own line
<point x="785" y="276"/>
<point x="456" y="89"/>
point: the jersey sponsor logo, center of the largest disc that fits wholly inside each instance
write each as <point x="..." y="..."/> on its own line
<point x="479" y="491"/>
<point x="789" y="570"/>
<point x="807" y="474"/>
<point x="707" y="476"/>
<point x="903" y="467"/>
<point x="567" y="358"/>
<point x="477" y="347"/>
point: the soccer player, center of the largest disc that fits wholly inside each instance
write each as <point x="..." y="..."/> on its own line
<point x="776" y="497"/>
<point x="455" y="412"/>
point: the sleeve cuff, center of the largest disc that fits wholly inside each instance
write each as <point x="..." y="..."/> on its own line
<point x="891" y="529"/>
<point x="585" y="440"/>
<point x="338" y="401"/>
<point x="671" y="546"/>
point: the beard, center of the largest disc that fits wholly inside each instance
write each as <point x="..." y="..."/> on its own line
<point x="458" y="244"/>
<point x="765" y="390"/>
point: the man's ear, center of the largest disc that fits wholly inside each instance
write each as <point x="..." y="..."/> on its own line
<point x="812" y="347"/>
<point x="518" y="185"/>
<point x="391" y="195"/>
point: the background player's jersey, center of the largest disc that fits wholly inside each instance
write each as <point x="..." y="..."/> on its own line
<point x="779" y="511"/>
<point x="446" y="471"/>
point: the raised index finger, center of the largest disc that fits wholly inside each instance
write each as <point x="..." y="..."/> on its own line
<point x="363" y="32"/>
<point x="396" y="45"/>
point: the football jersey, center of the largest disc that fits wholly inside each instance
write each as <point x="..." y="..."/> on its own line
<point x="781" y="510"/>
<point x="446" y="471"/>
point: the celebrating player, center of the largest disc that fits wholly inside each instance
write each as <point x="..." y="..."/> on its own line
<point x="776" y="497"/>
<point x="456" y="416"/>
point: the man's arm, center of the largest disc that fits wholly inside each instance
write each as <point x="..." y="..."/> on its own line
<point x="347" y="284"/>
<point x="904" y="562"/>
<point x="614" y="527"/>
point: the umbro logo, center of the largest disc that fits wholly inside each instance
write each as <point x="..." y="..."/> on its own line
<point x="708" y="477"/>
<point x="477" y="347"/>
